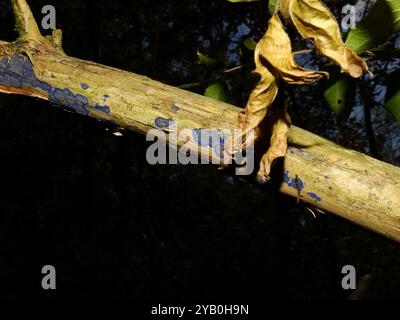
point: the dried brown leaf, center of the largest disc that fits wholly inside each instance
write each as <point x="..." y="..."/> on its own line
<point x="314" y="21"/>
<point x="260" y="101"/>
<point x="273" y="57"/>
<point x="276" y="49"/>
<point x="280" y="125"/>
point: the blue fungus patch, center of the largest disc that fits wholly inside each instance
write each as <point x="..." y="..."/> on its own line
<point x="206" y="137"/>
<point x="286" y="178"/>
<point x="314" y="196"/>
<point x="18" y="72"/>
<point x="84" y="86"/>
<point x="163" y="123"/>
<point x="74" y="102"/>
<point x="296" y="183"/>
<point x="104" y="109"/>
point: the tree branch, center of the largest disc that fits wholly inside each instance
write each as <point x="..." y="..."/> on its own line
<point x="345" y="182"/>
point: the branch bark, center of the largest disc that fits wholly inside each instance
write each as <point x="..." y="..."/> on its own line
<point x="350" y="184"/>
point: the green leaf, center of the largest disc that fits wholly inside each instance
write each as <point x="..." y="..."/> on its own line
<point x="271" y="6"/>
<point x="393" y="105"/>
<point x="206" y="60"/>
<point x="382" y="20"/>
<point x="218" y="91"/>
<point x="393" y="94"/>
<point x="250" y="44"/>
<point x="340" y="96"/>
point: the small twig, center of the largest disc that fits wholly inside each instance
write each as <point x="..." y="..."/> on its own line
<point x="305" y="51"/>
<point x="300" y="52"/>
<point x="26" y="24"/>
<point x="234" y="69"/>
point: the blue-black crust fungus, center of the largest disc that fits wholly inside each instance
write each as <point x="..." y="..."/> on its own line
<point x="286" y="177"/>
<point x="163" y="123"/>
<point x="295" y="183"/>
<point x="18" y="73"/>
<point x="66" y="98"/>
<point x="104" y="109"/>
<point x="298" y="184"/>
<point x="314" y="196"/>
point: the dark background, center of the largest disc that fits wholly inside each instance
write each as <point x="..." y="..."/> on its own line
<point x="75" y="196"/>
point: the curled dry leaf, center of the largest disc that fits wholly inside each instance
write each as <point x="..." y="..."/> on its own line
<point x="284" y="9"/>
<point x="258" y="105"/>
<point x="260" y="101"/>
<point x="276" y="49"/>
<point x="314" y="21"/>
<point x="280" y="125"/>
<point x="261" y="98"/>
<point x="273" y="58"/>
